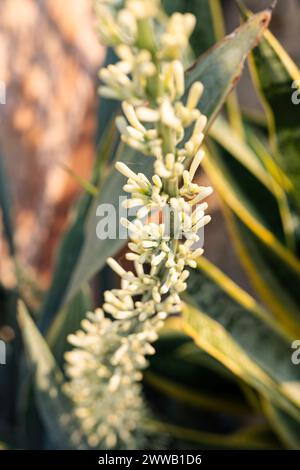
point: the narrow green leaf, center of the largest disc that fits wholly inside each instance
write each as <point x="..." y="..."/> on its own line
<point x="54" y="406"/>
<point x="252" y="437"/>
<point x="287" y="428"/>
<point x="222" y="133"/>
<point x="274" y="280"/>
<point x="68" y="321"/>
<point x="74" y="238"/>
<point x="259" y="234"/>
<point x="107" y="108"/>
<point x="279" y="184"/>
<point x="184" y="374"/>
<point x="210" y="29"/>
<point x="67" y="259"/>
<point x="277" y="79"/>
<point x="242" y="337"/>
<point x="5" y="206"/>
<point x="84" y="184"/>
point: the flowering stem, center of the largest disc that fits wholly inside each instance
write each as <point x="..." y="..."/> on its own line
<point x="110" y="351"/>
<point x="146" y="37"/>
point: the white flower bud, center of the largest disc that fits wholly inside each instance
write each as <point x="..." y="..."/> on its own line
<point x="168" y="116"/>
<point x="178" y="77"/>
<point x="131" y="116"/>
<point x="115" y="267"/>
<point x="147" y="114"/>
<point x="194" y="95"/>
<point x="195" y="163"/>
<point x="123" y="168"/>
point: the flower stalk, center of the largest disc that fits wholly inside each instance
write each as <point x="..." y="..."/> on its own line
<point x="111" y="348"/>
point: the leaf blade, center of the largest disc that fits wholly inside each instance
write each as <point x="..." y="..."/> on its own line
<point x="243" y="340"/>
<point x="55" y="408"/>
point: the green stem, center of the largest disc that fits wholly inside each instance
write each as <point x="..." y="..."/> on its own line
<point x="146" y="37"/>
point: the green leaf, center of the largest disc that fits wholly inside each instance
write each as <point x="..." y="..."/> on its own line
<point x="68" y="321"/>
<point x="228" y="324"/>
<point x="5" y="206"/>
<point x="287" y="428"/>
<point x="83" y="183"/>
<point x="54" y="406"/>
<point x="209" y="29"/>
<point x="251" y="437"/>
<point x="8" y="300"/>
<point x="74" y="239"/>
<point x="256" y="223"/>
<point x="219" y="71"/>
<point x="279" y="185"/>
<point x="225" y="136"/>
<point x="182" y="373"/>
<point x="277" y="77"/>
<point x="220" y="68"/>
<point x="107" y="108"/>
<point x="274" y="280"/>
<point x="67" y="259"/>
<point x="190" y="389"/>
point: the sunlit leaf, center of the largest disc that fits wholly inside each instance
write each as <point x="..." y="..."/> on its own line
<point x="277" y="79"/>
<point x="258" y="230"/>
<point x="231" y="327"/>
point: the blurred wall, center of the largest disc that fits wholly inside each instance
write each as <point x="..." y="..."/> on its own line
<point x="49" y="57"/>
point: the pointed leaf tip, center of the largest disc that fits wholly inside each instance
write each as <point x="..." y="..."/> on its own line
<point x="273" y="5"/>
<point x="21" y="309"/>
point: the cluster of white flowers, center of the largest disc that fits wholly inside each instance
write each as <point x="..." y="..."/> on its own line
<point x="104" y="366"/>
<point x="149" y="79"/>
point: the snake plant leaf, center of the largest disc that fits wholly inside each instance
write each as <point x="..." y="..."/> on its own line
<point x="277" y="79"/>
<point x="230" y="326"/>
<point x="225" y="136"/>
<point x="54" y="406"/>
<point x="5" y="207"/>
<point x="183" y="375"/>
<point x="8" y="301"/>
<point x="253" y="437"/>
<point x="107" y="108"/>
<point x="255" y="156"/>
<point x="274" y="280"/>
<point x="74" y="238"/>
<point x="66" y="261"/>
<point x="261" y="359"/>
<point x="279" y="184"/>
<point x="67" y="321"/>
<point x="210" y="29"/>
<point x="287" y="428"/>
<point x="219" y="70"/>
<point x="258" y="230"/>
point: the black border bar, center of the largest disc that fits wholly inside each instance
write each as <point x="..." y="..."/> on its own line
<point x="144" y="459"/>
